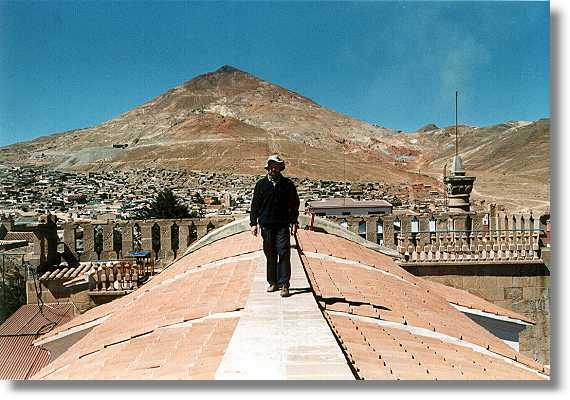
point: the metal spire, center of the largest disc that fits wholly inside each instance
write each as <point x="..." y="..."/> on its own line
<point x="456" y="142"/>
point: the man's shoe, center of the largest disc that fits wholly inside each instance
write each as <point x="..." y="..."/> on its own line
<point x="285" y="291"/>
<point x="273" y="288"/>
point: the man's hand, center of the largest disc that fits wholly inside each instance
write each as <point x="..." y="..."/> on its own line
<point x="254" y="230"/>
<point x="294" y="228"/>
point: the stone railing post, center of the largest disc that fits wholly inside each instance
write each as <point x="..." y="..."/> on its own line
<point x="127" y="237"/>
<point x="146" y="235"/>
<point x="424" y="237"/>
<point x="388" y="231"/>
<point x="165" y="252"/>
<point x="88" y="243"/>
<point x="371" y="233"/>
<point x="183" y="233"/>
<point x="107" y="252"/>
<point x="201" y="228"/>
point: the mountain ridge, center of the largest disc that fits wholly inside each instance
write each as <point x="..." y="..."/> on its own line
<point x="230" y="120"/>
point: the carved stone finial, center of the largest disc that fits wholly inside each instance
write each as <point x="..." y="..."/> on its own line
<point x="458" y="187"/>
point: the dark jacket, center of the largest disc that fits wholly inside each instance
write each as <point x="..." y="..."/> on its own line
<point x="274" y="206"/>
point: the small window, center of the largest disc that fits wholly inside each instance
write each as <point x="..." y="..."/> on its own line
<point x="362" y="229"/>
<point x="415" y="225"/>
<point x="380" y="233"/>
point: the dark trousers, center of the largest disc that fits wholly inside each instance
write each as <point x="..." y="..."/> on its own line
<point x="277" y="249"/>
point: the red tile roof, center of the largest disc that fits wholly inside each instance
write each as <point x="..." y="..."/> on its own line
<point x="66" y="273"/>
<point x="351" y="279"/>
<point x="395" y="354"/>
<point x="192" y="352"/>
<point x="238" y="244"/>
<point x="188" y="300"/>
<point x="28" y="236"/>
<point x="391" y="324"/>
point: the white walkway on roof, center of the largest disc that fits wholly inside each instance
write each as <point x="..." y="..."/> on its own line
<point x="283" y="338"/>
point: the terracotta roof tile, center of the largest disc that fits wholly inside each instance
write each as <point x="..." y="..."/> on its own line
<point x="171" y="327"/>
<point x="387" y="292"/>
<point x="391" y="353"/>
<point x="142" y="319"/>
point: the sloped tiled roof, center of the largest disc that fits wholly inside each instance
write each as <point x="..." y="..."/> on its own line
<point x="239" y="244"/>
<point x="65" y="273"/>
<point x="391" y="353"/>
<point x="28" y="236"/>
<point x="193" y="295"/>
<point x="19" y="358"/>
<point x="189" y="322"/>
<point x="360" y="288"/>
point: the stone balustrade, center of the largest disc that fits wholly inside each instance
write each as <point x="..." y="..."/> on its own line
<point x="120" y="276"/>
<point x="471" y="246"/>
<point x="482" y="236"/>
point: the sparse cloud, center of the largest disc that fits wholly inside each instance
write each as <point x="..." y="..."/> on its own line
<point x="461" y="63"/>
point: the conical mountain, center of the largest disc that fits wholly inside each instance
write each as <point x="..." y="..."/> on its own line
<point x="226" y="120"/>
<point x="230" y="121"/>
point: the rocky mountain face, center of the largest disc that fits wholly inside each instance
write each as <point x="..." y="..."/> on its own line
<point x="230" y="121"/>
<point x="511" y="160"/>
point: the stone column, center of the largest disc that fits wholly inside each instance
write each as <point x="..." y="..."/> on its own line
<point x="146" y="234"/>
<point x="201" y="228"/>
<point x="405" y="225"/>
<point x="69" y="238"/>
<point x="406" y="234"/>
<point x="88" y="243"/>
<point x="388" y="229"/>
<point x="166" y="252"/>
<point x="477" y="222"/>
<point x="459" y="222"/>
<point x="424" y="229"/>
<point x="352" y="226"/>
<point x="441" y="222"/>
<point x="492" y="217"/>
<point x="502" y="224"/>
<point x="127" y="231"/>
<point x="183" y="233"/>
<point x="371" y="233"/>
<point x="107" y="253"/>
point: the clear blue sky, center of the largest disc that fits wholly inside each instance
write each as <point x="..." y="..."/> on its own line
<point x="68" y="65"/>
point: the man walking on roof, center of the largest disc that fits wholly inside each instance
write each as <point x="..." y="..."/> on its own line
<point x="275" y="208"/>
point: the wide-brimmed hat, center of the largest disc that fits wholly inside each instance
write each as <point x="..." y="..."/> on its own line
<point x="276" y="159"/>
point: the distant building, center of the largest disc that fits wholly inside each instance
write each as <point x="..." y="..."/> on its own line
<point x="348" y="206"/>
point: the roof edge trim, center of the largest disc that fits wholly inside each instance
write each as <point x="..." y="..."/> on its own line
<point x="75" y="329"/>
<point x="476" y="311"/>
<point x="233" y="228"/>
<point x="334" y="229"/>
<point x="242" y="225"/>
